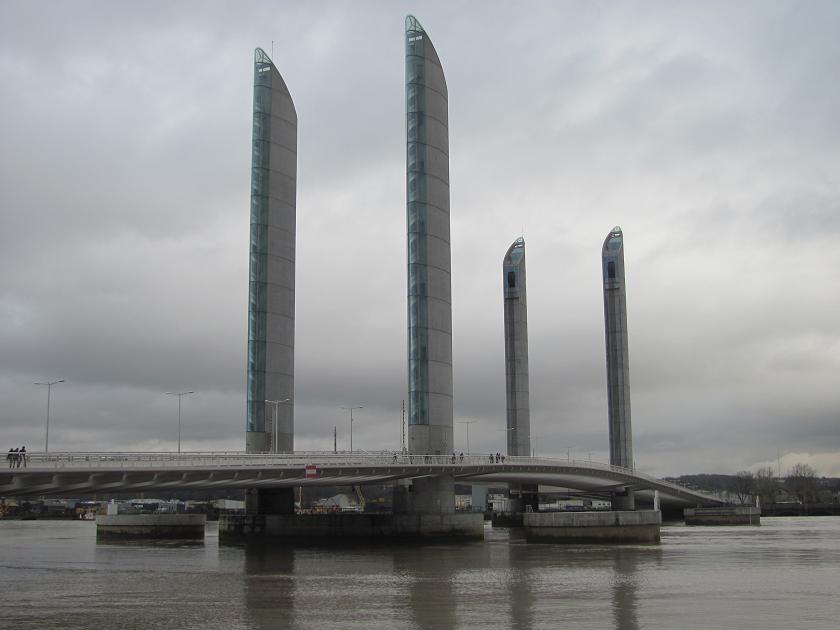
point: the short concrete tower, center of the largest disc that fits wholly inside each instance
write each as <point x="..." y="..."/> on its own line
<point x="618" y="362"/>
<point x="429" y="257"/>
<point x="271" y="297"/>
<point x="516" y="350"/>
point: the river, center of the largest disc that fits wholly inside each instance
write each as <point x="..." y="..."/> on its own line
<point x="784" y="574"/>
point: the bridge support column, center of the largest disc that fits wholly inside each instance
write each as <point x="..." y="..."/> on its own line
<point x="623" y="500"/>
<point x="426" y="495"/>
<point x="530" y="498"/>
<point x="270" y="501"/>
<point x="425" y="508"/>
<point x="521" y="498"/>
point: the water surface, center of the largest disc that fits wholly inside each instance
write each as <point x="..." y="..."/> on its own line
<point x="784" y="574"/>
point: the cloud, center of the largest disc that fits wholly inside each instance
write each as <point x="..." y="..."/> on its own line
<point x="124" y="185"/>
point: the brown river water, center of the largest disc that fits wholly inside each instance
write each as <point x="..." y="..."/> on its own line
<point x="784" y="574"/>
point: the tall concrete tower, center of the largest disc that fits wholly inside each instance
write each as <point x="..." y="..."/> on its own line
<point x="271" y="297"/>
<point x="618" y="361"/>
<point x="516" y="350"/>
<point x="429" y="257"/>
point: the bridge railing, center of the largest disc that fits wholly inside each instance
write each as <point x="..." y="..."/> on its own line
<point x="63" y="460"/>
<point x="192" y="459"/>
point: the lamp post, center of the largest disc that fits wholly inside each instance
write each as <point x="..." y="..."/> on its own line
<point x="350" y="409"/>
<point x="180" y="395"/>
<point x="468" y="423"/>
<point x="49" y="385"/>
<point x="275" y="432"/>
<point x="531" y="439"/>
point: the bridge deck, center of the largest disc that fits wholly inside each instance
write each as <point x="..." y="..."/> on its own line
<point x="84" y="473"/>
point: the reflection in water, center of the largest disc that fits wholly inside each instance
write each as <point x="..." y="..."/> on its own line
<point x="624" y="586"/>
<point x="522" y="596"/>
<point x="270" y="584"/>
<point x="443" y="586"/>
<point x="430" y="595"/>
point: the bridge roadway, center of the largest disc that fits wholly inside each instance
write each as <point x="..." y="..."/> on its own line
<point x="69" y="474"/>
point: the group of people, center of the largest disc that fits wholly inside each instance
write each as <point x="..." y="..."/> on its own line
<point x="16" y="457"/>
<point x="498" y="458"/>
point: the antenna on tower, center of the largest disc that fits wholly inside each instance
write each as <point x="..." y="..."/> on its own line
<point x="272" y="51"/>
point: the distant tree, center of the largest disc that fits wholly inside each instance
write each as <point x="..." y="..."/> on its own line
<point x="743" y="485"/>
<point x="802" y="482"/>
<point x="765" y="485"/>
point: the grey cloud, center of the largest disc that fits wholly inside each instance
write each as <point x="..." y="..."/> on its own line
<point x="707" y="132"/>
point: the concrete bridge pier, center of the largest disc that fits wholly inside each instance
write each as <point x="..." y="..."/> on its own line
<point x="522" y="498"/>
<point x="426" y="495"/>
<point x="425" y="508"/>
<point x="529" y="494"/>
<point x="623" y="499"/>
<point x="268" y="512"/>
<point x="261" y="502"/>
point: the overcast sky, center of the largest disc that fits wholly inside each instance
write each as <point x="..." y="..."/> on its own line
<point x="708" y="131"/>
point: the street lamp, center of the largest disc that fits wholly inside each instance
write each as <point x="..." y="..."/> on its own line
<point x="179" y="395"/>
<point x="468" y="423"/>
<point x="350" y="409"/>
<point x="49" y="385"/>
<point x="276" y="432"/>
<point x="531" y="439"/>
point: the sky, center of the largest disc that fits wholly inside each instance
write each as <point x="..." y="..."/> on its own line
<point x="707" y="131"/>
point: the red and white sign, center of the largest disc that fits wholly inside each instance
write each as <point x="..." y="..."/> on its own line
<point x="311" y="471"/>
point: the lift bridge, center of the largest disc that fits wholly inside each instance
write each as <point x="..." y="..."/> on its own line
<point x="68" y="474"/>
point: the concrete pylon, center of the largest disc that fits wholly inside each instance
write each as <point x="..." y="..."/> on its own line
<point x="515" y="295"/>
<point x="429" y="255"/>
<point x="517" y="388"/>
<point x="618" y="361"/>
<point x="271" y="293"/>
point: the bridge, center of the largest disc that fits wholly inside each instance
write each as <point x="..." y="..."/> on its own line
<point x="86" y="473"/>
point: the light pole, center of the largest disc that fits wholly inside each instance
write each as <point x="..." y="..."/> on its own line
<point x="468" y="423"/>
<point x="275" y="433"/>
<point x="350" y="409"/>
<point x="531" y="439"/>
<point x="180" y="395"/>
<point x="49" y="385"/>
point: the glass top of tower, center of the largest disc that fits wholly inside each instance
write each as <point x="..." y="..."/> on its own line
<point x="515" y="252"/>
<point x="412" y="25"/>
<point x="614" y="240"/>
